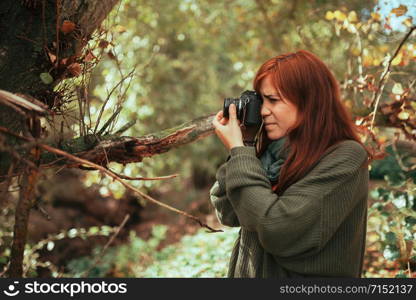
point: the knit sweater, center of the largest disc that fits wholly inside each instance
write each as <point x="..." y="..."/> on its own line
<point x="316" y="228"/>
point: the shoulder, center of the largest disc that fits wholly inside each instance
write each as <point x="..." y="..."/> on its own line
<point x="350" y="148"/>
<point x="347" y="153"/>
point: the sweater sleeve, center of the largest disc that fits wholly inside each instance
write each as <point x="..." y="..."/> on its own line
<point x="292" y="225"/>
<point x="223" y="209"/>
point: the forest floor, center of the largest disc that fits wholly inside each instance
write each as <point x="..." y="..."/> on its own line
<point x="145" y="218"/>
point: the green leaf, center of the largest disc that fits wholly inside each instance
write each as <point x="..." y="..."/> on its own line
<point x="391" y="237"/>
<point x="410" y="221"/>
<point x="46" y="78"/>
<point x="391" y="253"/>
<point x="93" y="230"/>
<point x="397" y="89"/>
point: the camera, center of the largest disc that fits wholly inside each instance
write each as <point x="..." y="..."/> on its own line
<point x="248" y="107"/>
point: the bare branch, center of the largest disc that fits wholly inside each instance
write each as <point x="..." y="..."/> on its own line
<point x="81" y="161"/>
<point x="385" y="75"/>
<point x="100" y="256"/>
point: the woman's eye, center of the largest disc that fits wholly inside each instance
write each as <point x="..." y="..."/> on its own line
<point x="274" y="99"/>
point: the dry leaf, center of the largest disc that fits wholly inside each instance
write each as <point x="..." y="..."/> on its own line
<point x="89" y="57"/>
<point x="74" y="69"/>
<point x="111" y="55"/>
<point x="67" y="27"/>
<point x="52" y="57"/>
<point x="103" y="44"/>
<point x="400" y="11"/>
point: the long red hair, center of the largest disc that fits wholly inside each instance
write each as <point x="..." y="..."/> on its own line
<point x="323" y="121"/>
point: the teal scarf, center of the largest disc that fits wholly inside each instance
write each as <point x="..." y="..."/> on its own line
<point x="273" y="158"/>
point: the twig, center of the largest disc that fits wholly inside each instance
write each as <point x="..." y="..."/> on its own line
<point x="145" y="178"/>
<point x="398" y="157"/>
<point x="110" y="120"/>
<point x="384" y="77"/>
<point x="112" y="175"/>
<point x="125" y="127"/>
<point x="108" y="97"/>
<point x="100" y="256"/>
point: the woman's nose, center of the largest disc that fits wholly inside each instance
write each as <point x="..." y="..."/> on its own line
<point x="264" y="110"/>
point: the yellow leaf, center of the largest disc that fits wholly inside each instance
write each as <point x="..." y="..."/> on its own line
<point x="397" y="89"/>
<point x="329" y="15"/>
<point x="120" y="29"/>
<point x="397" y="60"/>
<point x="352" y="17"/>
<point x="383" y="48"/>
<point x="340" y="16"/>
<point x="367" y="61"/>
<point x="376" y="61"/>
<point x="403" y="115"/>
<point x="375" y="16"/>
<point x="382" y="139"/>
<point x="408" y="22"/>
<point x="400" y="11"/>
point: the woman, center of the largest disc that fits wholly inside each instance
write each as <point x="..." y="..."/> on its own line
<point x="302" y="207"/>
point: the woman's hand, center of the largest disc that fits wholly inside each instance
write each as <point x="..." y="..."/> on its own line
<point x="228" y="131"/>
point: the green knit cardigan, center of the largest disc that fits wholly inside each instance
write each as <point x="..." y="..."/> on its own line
<point x="316" y="228"/>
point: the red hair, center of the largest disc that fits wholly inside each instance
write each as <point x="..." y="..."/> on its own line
<point x="322" y="121"/>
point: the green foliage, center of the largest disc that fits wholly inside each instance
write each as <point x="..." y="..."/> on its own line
<point x="390" y="170"/>
<point x="200" y="255"/>
<point x="31" y="259"/>
<point x="392" y="225"/>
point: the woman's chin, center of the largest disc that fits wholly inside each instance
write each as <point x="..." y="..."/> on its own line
<point x="274" y="135"/>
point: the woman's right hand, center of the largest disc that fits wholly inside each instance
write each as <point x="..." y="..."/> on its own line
<point x="228" y="130"/>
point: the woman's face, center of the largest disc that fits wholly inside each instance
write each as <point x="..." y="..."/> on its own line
<point x="278" y="114"/>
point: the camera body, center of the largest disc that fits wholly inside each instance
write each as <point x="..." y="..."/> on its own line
<point x="248" y="107"/>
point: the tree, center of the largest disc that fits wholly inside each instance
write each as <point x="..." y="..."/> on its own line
<point x="46" y="45"/>
<point x="46" y="56"/>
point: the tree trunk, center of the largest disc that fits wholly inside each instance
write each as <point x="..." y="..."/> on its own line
<point x="32" y="32"/>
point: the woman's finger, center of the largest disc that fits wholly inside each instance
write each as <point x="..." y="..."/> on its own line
<point x="233" y="114"/>
<point x="220" y="115"/>
<point x="217" y="122"/>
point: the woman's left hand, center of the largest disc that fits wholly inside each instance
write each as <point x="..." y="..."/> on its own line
<point x="228" y="131"/>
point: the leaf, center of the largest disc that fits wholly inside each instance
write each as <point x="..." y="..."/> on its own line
<point x="397" y="60"/>
<point x="352" y="17"/>
<point x="399" y="11"/>
<point x="120" y="29"/>
<point x="329" y="15"/>
<point x="397" y="89"/>
<point x="410" y="220"/>
<point x="375" y="16"/>
<point x="404" y="115"/>
<point x="52" y="57"/>
<point x="93" y="230"/>
<point x="340" y="16"/>
<point x="103" y="44"/>
<point x="74" y="69"/>
<point x="50" y="246"/>
<point x="408" y="22"/>
<point x="67" y="27"/>
<point x="46" y="78"/>
<point x="391" y="237"/>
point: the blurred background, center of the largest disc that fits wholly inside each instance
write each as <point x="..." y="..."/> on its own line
<point x="168" y="62"/>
